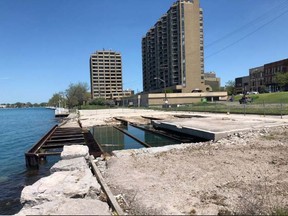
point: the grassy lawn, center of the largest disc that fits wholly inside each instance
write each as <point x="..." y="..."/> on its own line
<point x="263" y="104"/>
<point x="260" y="109"/>
<point x="269" y="98"/>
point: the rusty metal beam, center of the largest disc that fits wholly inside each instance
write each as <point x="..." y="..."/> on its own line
<point x="55" y="139"/>
<point x="65" y="140"/>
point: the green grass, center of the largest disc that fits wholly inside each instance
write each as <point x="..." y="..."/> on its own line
<point x="235" y="107"/>
<point x="280" y="212"/>
<point x="263" y="104"/>
<point x="277" y="97"/>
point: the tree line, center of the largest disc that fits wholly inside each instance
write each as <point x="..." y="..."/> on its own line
<point x="75" y="95"/>
<point x="23" y="105"/>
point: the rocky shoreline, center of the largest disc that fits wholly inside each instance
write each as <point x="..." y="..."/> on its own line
<point x="71" y="189"/>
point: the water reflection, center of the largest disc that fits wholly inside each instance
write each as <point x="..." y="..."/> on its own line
<point x="112" y="139"/>
<point x="154" y="140"/>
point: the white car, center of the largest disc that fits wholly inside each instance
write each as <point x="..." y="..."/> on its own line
<point x="253" y="92"/>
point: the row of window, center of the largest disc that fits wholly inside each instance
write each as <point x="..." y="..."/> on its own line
<point x="107" y="64"/>
<point x="107" y="72"/>
<point x="105" y="60"/>
<point x="106" y="79"/>
<point x="105" y="54"/>
<point x="106" y="69"/>
<point x="107" y="92"/>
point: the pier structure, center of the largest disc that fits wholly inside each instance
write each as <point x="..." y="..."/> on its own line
<point x="53" y="142"/>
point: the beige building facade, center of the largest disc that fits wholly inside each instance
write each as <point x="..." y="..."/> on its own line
<point x="175" y="99"/>
<point x="212" y="80"/>
<point x="106" y="75"/>
<point x="172" y="50"/>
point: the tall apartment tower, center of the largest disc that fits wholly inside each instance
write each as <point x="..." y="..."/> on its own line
<point x="106" y="74"/>
<point x="172" y="50"/>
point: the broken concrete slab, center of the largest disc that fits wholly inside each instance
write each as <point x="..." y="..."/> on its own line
<point x="70" y="165"/>
<point x="68" y="207"/>
<point x="75" y="151"/>
<point x="66" y="184"/>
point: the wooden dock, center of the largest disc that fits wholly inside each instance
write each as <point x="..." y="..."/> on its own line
<point x="52" y="144"/>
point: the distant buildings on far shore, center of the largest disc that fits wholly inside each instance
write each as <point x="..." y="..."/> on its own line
<point x="262" y="79"/>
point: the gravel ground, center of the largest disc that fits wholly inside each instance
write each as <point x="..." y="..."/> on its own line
<point x="245" y="173"/>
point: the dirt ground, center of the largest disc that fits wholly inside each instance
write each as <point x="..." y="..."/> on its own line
<point x="245" y="173"/>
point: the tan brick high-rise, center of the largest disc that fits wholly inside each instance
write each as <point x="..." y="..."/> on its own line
<point x="106" y="75"/>
<point x="172" y="50"/>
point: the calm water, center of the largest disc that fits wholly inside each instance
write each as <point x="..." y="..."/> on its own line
<point x="112" y="139"/>
<point x="20" y="129"/>
<point x="150" y="138"/>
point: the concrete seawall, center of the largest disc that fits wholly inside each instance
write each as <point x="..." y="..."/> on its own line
<point x="71" y="189"/>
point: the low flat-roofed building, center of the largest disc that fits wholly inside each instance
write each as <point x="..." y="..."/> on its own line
<point x="173" y="99"/>
<point x="270" y="72"/>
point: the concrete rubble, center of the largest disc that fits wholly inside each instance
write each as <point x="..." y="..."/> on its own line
<point x="70" y="189"/>
<point x="75" y="151"/>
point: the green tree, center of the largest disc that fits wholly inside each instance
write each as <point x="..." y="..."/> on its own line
<point x="43" y="104"/>
<point x="19" y="105"/>
<point x="56" y="99"/>
<point x="29" y="104"/>
<point x="76" y="94"/>
<point x="282" y="80"/>
<point x="98" y="101"/>
<point x="230" y="87"/>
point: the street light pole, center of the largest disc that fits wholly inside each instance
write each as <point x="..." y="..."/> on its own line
<point x="166" y="101"/>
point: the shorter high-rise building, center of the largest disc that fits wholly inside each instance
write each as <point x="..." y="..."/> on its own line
<point x="106" y="74"/>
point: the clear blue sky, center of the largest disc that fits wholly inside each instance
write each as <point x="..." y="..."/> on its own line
<point x="45" y="44"/>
